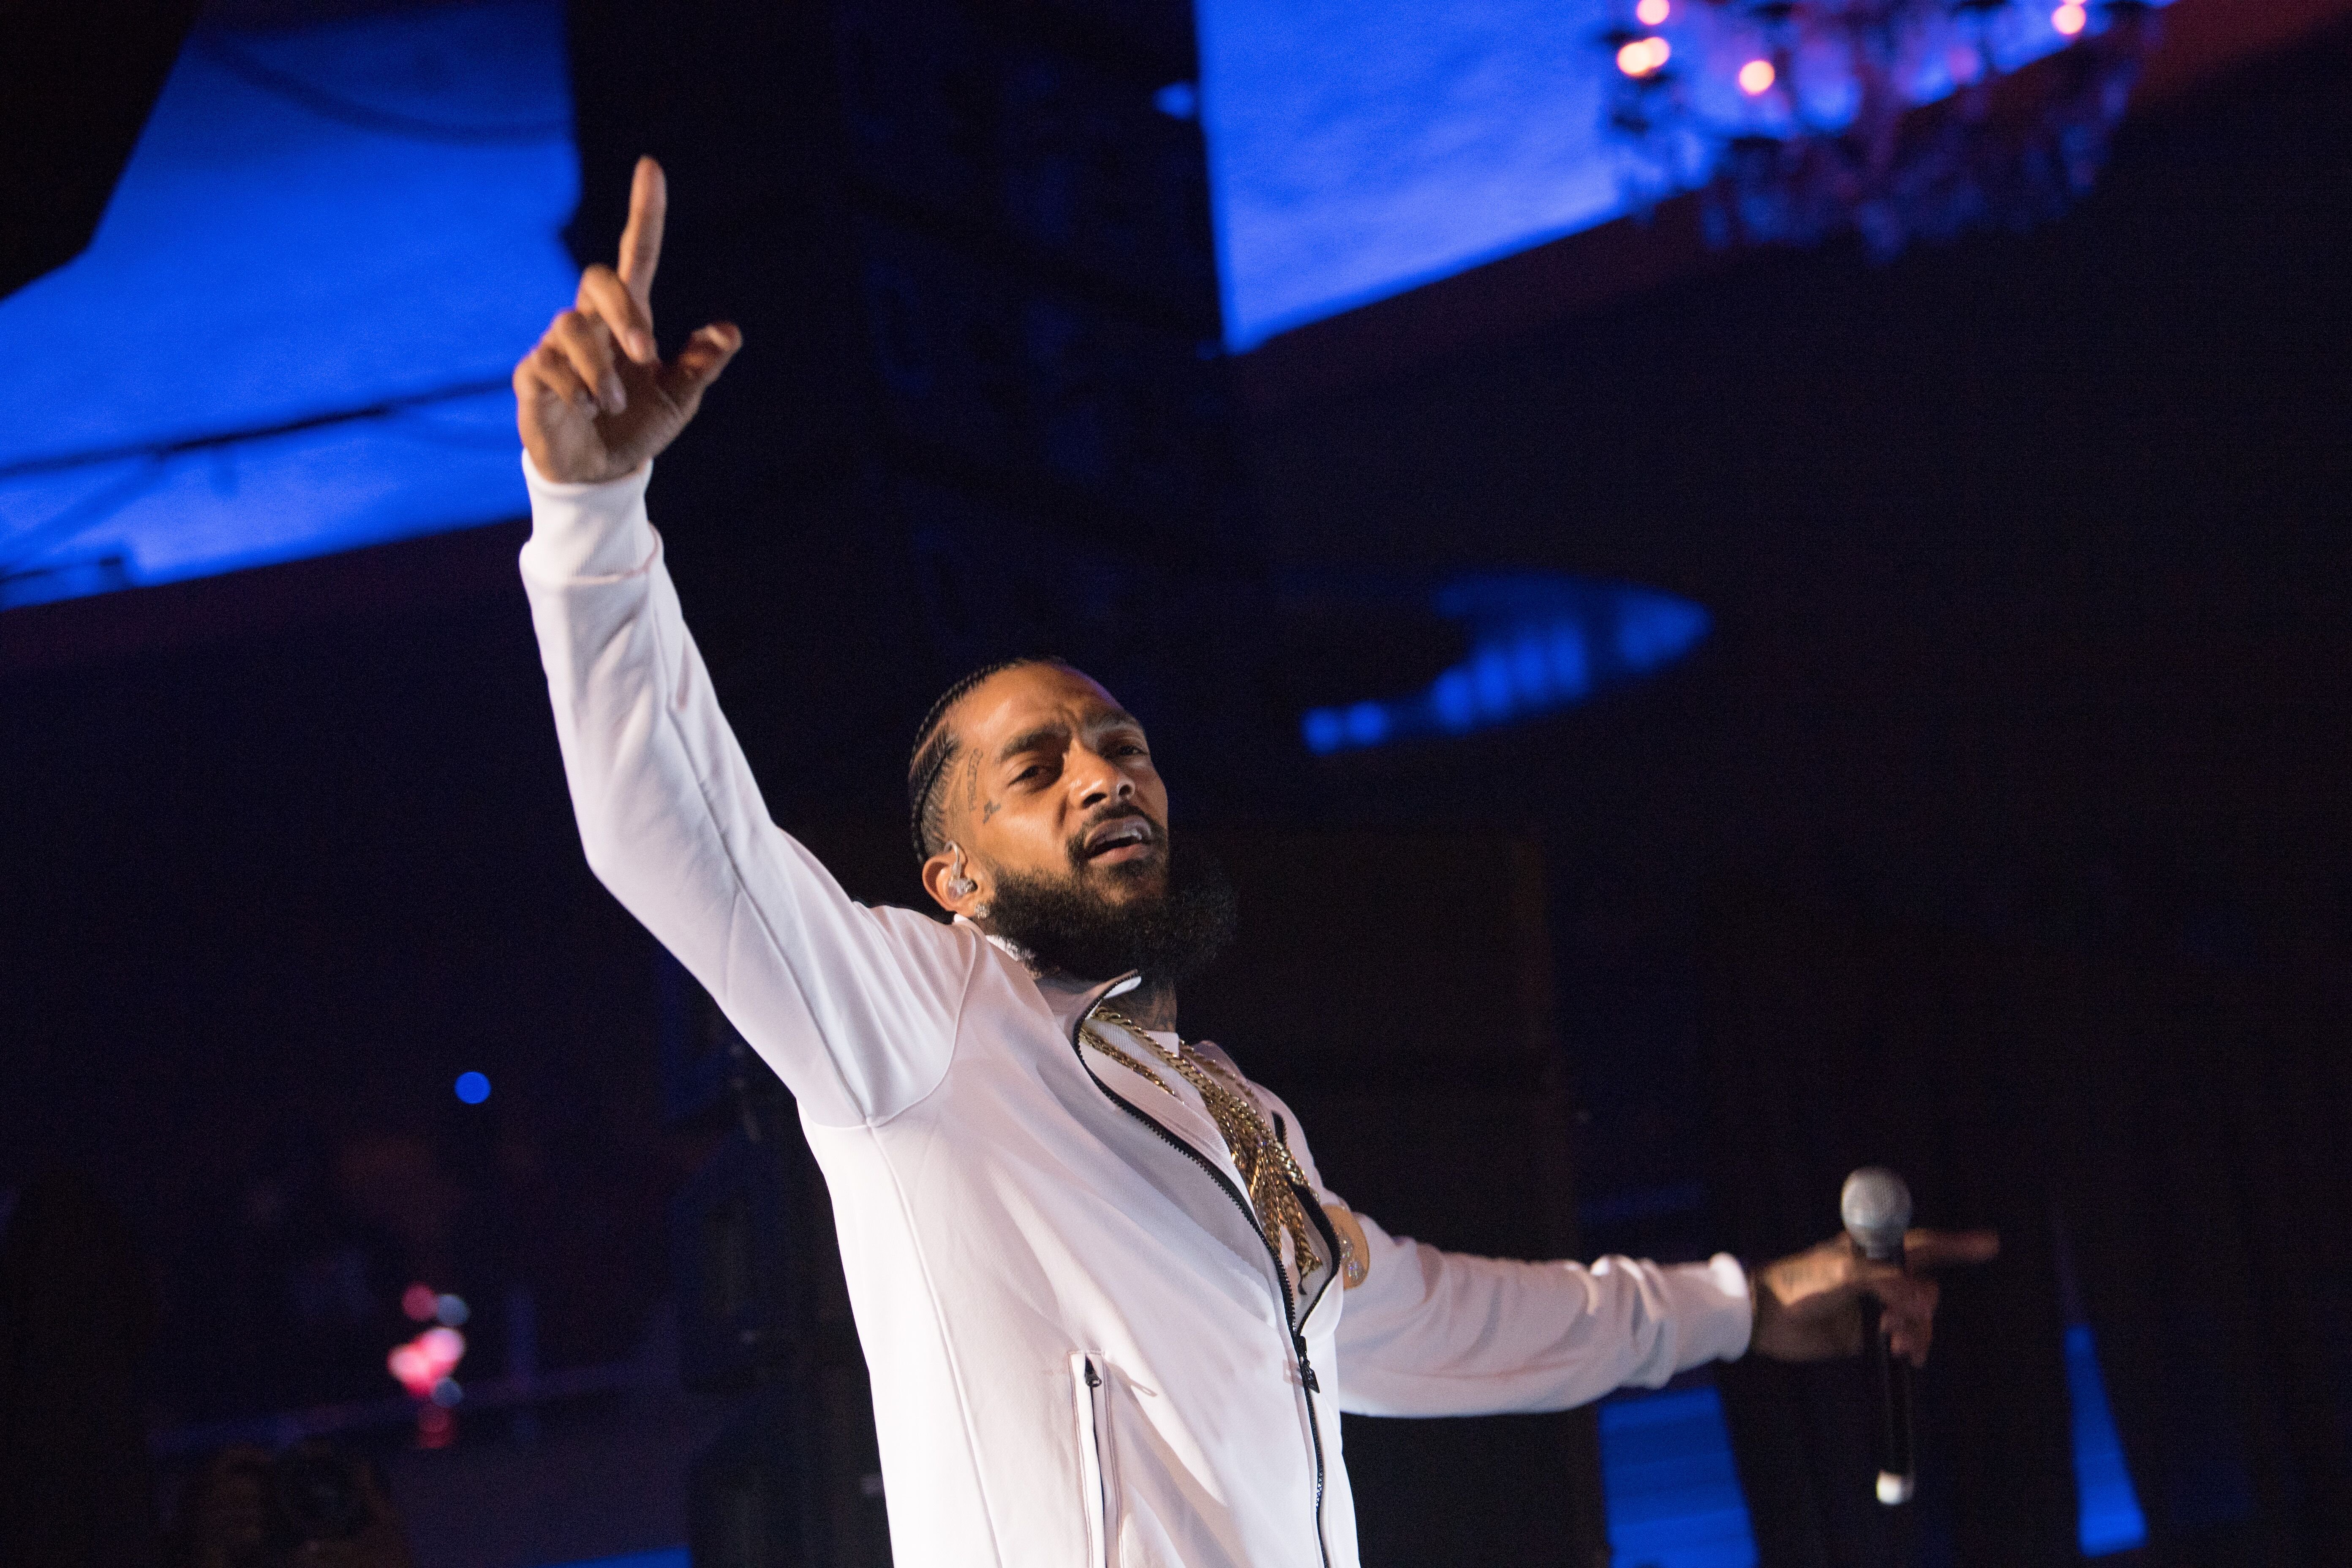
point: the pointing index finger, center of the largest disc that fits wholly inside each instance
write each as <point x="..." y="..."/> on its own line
<point x="641" y="242"/>
<point x="1946" y="1248"/>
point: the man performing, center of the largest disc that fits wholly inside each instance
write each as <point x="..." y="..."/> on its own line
<point x="1092" y="1264"/>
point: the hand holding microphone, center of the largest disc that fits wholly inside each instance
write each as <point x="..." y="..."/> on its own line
<point x="1864" y="1291"/>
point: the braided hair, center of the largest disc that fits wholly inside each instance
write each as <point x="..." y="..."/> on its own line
<point x="936" y="746"/>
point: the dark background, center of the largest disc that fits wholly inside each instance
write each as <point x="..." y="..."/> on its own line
<point x="1994" y="831"/>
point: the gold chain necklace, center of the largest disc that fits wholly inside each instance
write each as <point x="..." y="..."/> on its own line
<point x="1264" y="1161"/>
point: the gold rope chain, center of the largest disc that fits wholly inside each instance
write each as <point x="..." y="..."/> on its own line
<point x="1264" y="1161"/>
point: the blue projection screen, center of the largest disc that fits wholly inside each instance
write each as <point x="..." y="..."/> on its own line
<point x="292" y="332"/>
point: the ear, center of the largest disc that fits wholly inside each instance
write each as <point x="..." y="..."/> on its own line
<point x="940" y="881"/>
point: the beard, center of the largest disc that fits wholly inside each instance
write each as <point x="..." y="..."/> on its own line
<point x="1072" y="924"/>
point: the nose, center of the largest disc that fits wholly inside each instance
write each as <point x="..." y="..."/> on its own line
<point x="1100" y="780"/>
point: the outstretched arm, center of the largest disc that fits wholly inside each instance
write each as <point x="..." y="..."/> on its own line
<point x="854" y="1007"/>
<point x="1432" y="1333"/>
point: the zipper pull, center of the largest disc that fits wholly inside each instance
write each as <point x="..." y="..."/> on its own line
<point x="1305" y="1367"/>
<point x="1094" y="1378"/>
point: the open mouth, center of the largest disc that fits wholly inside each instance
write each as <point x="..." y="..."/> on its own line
<point x="1121" y="839"/>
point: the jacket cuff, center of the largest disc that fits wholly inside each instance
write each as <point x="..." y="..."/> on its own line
<point x="1711" y="1301"/>
<point x="587" y="530"/>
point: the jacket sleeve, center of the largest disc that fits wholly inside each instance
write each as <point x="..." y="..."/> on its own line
<point x="854" y="1007"/>
<point x="1442" y="1333"/>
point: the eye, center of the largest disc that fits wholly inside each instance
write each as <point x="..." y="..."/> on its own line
<point x="1032" y="771"/>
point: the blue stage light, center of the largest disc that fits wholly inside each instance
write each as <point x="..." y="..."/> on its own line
<point x="473" y="1088"/>
<point x="1456" y="700"/>
<point x="1490" y="676"/>
<point x="1571" y="665"/>
<point x="2109" y="1517"/>
<point x="1538" y="642"/>
<point x="1177" y="100"/>
<point x="1531" y="667"/>
<point x="1652" y="628"/>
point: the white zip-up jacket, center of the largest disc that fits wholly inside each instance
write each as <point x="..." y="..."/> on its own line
<point x="1082" y="1350"/>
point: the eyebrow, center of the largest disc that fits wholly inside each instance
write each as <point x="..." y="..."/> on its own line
<point x="1030" y="739"/>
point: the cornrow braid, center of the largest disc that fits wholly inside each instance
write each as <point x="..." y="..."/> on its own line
<point x="934" y="748"/>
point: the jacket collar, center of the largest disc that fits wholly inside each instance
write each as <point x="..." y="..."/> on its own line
<point x="1070" y="999"/>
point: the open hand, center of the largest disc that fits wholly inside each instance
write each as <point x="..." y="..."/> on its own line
<point x="1809" y="1305"/>
<point x="595" y="399"/>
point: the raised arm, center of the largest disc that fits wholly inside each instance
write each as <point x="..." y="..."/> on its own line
<point x="854" y="1007"/>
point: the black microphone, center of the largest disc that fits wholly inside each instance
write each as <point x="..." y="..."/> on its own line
<point x="1877" y="1208"/>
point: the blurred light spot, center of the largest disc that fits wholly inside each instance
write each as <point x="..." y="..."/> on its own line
<point x="452" y="1310"/>
<point x="2108" y="1516"/>
<point x="2069" y="19"/>
<point x="1490" y="674"/>
<point x="1368" y="724"/>
<point x="1653" y="629"/>
<point x="1177" y="100"/>
<point x="1531" y="668"/>
<point x="422" y="1363"/>
<point x="473" y="1088"/>
<point x="1538" y="642"/>
<point x="418" y="1302"/>
<point x="1571" y="667"/>
<point x="1965" y="64"/>
<point x="1757" y="77"/>
<point x="411" y="1366"/>
<point x="1457" y="705"/>
<point x="447" y="1393"/>
<point x="1643" y="55"/>
<point x="1653" y="13"/>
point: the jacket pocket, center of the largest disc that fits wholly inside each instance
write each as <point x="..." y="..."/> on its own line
<point x="1098" y="1466"/>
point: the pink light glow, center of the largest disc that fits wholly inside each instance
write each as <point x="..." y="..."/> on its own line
<point x="2069" y="19"/>
<point x="426" y="1360"/>
<point x="1653" y="13"/>
<point x="1756" y="76"/>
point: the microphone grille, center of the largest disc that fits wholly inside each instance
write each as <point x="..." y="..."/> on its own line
<point x="1877" y="1208"/>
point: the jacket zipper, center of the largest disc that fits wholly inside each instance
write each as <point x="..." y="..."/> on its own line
<point x="1091" y="1395"/>
<point x="1282" y="1281"/>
